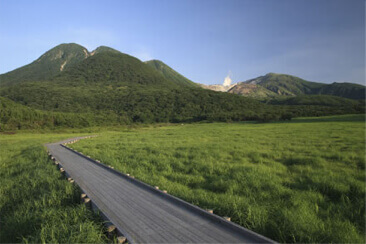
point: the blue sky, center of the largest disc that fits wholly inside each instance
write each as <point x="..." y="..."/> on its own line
<point x="318" y="40"/>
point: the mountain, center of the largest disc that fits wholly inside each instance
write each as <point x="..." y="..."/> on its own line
<point x="108" y="81"/>
<point x="169" y="73"/>
<point x="273" y="85"/>
<point x="289" y="85"/>
<point x="252" y="90"/>
<point x="285" y="84"/>
<point x="109" y="67"/>
<point x="48" y="65"/>
<point x="52" y="63"/>
<point x="109" y="87"/>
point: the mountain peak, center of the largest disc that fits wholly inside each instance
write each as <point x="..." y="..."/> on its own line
<point x="64" y="51"/>
<point x="102" y="49"/>
<point x="63" y="55"/>
<point x="68" y="45"/>
<point x="48" y="65"/>
<point x="154" y="61"/>
<point x="272" y="74"/>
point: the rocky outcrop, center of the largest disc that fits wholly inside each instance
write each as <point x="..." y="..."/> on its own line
<point x="220" y="88"/>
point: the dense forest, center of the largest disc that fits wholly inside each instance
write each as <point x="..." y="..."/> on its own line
<point x="14" y="116"/>
<point x="174" y="106"/>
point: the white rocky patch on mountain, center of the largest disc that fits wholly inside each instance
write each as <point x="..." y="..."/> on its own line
<point x="63" y="65"/>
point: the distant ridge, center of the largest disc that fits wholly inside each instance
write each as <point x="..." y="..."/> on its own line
<point x="274" y="85"/>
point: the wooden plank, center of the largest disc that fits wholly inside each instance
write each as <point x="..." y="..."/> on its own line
<point x="143" y="214"/>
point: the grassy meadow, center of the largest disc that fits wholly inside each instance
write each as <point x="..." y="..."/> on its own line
<point x="299" y="181"/>
<point x="37" y="204"/>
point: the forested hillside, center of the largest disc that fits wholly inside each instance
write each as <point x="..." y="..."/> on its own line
<point x="48" y="65"/>
<point x="274" y="85"/>
<point x="109" y="87"/>
<point x="14" y="116"/>
<point x="170" y="74"/>
<point x="289" y="85"/>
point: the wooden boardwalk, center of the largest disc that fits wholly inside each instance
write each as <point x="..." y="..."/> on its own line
<point x="144" y="214"/>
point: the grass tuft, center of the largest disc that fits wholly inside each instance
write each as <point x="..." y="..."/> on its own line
<point x="37" y="204"/>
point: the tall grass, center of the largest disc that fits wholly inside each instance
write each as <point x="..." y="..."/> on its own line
<point x="293" y="182"/>
<point x="37" y="204"/>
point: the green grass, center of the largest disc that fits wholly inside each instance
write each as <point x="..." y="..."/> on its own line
<point x="37" y="204"/>
<point x="358" y="118"/>
<point x="301" y="181"/>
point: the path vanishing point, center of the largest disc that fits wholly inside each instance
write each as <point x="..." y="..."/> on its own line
<point x="142" y="213"/>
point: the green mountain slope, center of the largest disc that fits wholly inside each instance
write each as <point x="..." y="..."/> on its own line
<point x="323" y="100"/>
<point x="170" y="74"/>
<point x="51" y="63"/>
<point x="348" y="90"/>
<point x="109" y="87"/>
<point x="285" y="84"/>
<point x="317" y="105"/>
<point x="288" y="85"/>
<point x="252" y="90"/>
<point x="102" y="49"/>
<point x="112" y="68"/>
<point x="129" y="88"/>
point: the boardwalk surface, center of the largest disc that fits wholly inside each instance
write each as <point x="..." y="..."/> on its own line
<point x="146" y="215"/>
